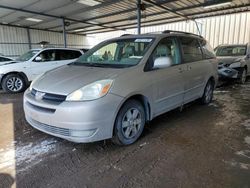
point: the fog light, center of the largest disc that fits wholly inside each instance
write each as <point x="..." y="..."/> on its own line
<point x="82" y="133"/>
<point x="228" y="71"/>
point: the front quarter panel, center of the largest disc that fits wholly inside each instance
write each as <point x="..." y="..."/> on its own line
<point x="16" y="67"/>
<point x="134" y="82"/>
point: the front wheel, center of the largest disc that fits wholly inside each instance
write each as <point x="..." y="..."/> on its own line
<point x="243" y="76"/>
<point x="208" y="93"/>
<point x="13" y="83"/>
<point x="129" y="123"/>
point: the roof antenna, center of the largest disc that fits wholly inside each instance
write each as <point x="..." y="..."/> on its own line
<point x="196" y="23"/>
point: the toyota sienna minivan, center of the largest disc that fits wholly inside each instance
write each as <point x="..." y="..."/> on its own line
<point x="116" y="87"/>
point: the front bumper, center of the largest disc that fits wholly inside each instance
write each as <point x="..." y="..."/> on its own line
<point x="80" y="122"/>
<point x="228" y="73"/>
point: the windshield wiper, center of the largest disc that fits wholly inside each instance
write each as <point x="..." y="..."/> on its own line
<point x="78" y="63"/>
<point x="104" y="65"/>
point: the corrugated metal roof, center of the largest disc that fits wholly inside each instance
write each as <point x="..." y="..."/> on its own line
<point x="108" y="15"/>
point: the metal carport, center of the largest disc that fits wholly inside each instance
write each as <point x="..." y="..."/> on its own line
<point x="83" y="17"/>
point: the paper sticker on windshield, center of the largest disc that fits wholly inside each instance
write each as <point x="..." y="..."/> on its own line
<point x="143" y="40"/>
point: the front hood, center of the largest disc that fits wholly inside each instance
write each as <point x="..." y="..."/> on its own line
<point x="229" y="59"/>
<point x="8" y="62"/>
<point x="66" y="79"/>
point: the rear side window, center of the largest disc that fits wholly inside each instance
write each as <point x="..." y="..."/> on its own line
<point x="67" y="54"/>
<point x="191" y="49"/>
<point x="207" y="50"/>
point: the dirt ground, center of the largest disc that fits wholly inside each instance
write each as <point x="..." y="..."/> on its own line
<point x="202" y="146"/>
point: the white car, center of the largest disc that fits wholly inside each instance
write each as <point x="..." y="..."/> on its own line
<point x="4" y="59"/>
<point x="16" y="75"/>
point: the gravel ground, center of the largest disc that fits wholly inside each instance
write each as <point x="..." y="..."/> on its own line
<point x="202" y="146"/>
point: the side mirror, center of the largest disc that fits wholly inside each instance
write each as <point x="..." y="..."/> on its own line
<point x="162" y="62"/>
<point x="38" y="59"/>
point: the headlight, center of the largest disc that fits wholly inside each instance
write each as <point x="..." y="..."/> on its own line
<point x="92" y="91"/>
<point x="235" y="65"/>
<point x="32" y="83"/>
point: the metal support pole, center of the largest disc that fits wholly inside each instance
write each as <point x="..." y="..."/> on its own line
<point x="29" y="39"/>
<point x="64" y="33"/>
<point x="138" y="17"/>
<point x="197" y="26"/>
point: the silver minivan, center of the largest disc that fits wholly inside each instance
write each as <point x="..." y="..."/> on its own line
<point x="116" y="87"/>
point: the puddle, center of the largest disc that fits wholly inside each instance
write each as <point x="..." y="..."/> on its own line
<point x="218" y="92"/>
<point x="30" y="154"/>
<point x="246" y="124"/>
<point x="213" y="105"/>
<point x="240" y="165"/>
<point x="247" y="140"/>
<point x="245" y="153"/>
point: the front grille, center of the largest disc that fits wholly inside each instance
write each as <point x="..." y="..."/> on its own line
<point x="50" y="96"/>
<point x="39" y="108"/>
<point x="49" y="128"/>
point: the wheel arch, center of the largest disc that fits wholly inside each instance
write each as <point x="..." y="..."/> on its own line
<point x="22" y="74"/>
<point x="140" y="98"/>
<point x="212" y="79"/>
<point x="245" y="67"/>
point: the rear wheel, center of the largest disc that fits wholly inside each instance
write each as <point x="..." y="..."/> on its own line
<point x="129" y="123"/>
<point x="13" y="83"/>
<point x="208" y="93"/>
<point x="243" y="76"/>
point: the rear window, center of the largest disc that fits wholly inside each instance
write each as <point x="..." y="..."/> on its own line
<point x="231" y="50"/>
<point x="191" y="49"/>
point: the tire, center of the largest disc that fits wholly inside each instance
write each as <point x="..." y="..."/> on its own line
<point x="13" y="83"/>
<point x="243" y="76"/>
<point x="207" y="96"/>
<point x="129" y="123"/>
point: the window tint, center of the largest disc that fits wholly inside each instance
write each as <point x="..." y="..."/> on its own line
<point x="48" y="55"/>
<point x="167" y="51"/>
<point x="191" y="49"/>
<point x="26" y="56"/>
<point x="207" y="50"/>
<point x="106" y="53"/>
<point x="231" y="50"/>
<point x="67" y="54"/>
<point x="119" y="53"/>
<point x="4" y="59"/>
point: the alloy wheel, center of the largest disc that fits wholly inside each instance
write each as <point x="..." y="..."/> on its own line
<point x="131" y="123"/>
<point x="243" y="76"/>
<point x="209" y="92"/>
<point x="14" y="84"/>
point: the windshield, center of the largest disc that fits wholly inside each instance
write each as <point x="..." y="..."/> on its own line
<point x="116" y="54"/>
<point x="26" y="56"/>
<point x="231" y="51"/>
